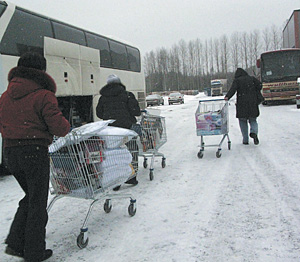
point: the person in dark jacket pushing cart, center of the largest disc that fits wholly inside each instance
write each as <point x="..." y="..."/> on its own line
<point x="120" y="105"/>
<point x="247" y="110"/>
<point x="29" y="117"/>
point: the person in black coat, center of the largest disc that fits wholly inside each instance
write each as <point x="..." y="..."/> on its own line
<point x="117" y="103"/>
<point x="246" y="88"/>
<point x="120" y="105"/>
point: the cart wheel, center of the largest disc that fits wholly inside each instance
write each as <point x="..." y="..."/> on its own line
<point x="200" y="154"/>
<point x="107" y="206"/>
<point x="151" y="175"/>
<point x="163" y="162"/>
<point x="229" y="145"/>
<point x="218" y="153"/>
<point x="131" y="209"/>
<point x="145" y="163"/>
<point x="80" y="240"/>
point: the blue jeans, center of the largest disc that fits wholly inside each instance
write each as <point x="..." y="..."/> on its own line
<point x="244" y="127"/>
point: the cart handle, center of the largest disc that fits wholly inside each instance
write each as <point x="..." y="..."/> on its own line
<point x="211" y="100"/>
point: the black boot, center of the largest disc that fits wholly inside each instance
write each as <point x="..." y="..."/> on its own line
<point x="132" y="181"/>
<point x="255" y="138"/>
<point x="117" y="188"/>
<point x="47" y="254"/>
<point x="12" y="252"/>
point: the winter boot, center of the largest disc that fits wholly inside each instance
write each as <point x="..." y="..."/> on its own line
<point x="132" y="181"/>
<point x="117" y="188"/>
<point x="10" y="251"/>
<point x="255" y="138"/>
<point x="47" y="254"/>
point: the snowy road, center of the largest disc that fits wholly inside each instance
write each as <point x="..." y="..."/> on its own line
<point x="244" y="206"/>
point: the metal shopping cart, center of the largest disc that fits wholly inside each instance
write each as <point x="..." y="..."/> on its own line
<point x="88" y="167"/>
<point x="212" y="119"/>
<point x="152" y="138"/>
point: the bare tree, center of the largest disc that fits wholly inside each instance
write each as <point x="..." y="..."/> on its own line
<point x="216" y="54"/>
<point x="275" y="36"/>
<point x="183" y="59"/>
<point x="235" y="47"/>
<point x="198" y="62"/>
<point x="254" y="42"/>
<point x="211" y="57"/>
<point x="267" y="39"/>
<point x="206" y="57"/>
<point x="163" y="60"/>
<point x="224" y="54"/>
<point x="244" y="50"/>
<point x="151" y="70"/>
<point x="193" y="64"/>
<point x="175" y="64"/>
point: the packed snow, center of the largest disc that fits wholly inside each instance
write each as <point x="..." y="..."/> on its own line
<point x="243" y="206"/>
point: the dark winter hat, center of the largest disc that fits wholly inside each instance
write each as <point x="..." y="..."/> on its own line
<point x="113" y="79"/>
<point x="33" y="60"/>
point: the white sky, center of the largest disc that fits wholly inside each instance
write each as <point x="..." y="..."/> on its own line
<point x="151" y="24"/>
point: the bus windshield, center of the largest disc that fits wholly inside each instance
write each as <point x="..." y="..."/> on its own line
<point x="280" y="65"/>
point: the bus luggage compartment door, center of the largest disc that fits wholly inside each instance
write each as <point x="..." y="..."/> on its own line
<point x="63" y="64"/>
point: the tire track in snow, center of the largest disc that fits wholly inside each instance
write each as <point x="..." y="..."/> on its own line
<point x="251" y="217"/>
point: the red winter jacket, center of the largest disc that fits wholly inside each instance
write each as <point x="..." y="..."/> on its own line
<point x="29" y="112"/>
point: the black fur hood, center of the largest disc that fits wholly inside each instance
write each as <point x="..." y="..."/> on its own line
<point x="240" y="72"/>
<point x="41" y="78"/>
<point x="113" y="89"/>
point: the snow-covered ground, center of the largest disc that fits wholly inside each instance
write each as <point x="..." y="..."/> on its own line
<point x="244" y="206"/>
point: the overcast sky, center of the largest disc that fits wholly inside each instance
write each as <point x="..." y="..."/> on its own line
<point x="152" y="24"/>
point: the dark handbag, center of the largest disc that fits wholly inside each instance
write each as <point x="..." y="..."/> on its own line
<point x="259" y="97"/>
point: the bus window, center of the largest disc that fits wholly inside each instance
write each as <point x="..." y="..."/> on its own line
<point x="101" y="44"/>
<point x="118" y="55"/>
<point x="134" y="59"/>
<point x="2" y="7"/>
<point x="68" y="33"/>
<point x="24" y="33"/>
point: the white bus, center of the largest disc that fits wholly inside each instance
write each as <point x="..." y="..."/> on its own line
<point x="78" y="60"/>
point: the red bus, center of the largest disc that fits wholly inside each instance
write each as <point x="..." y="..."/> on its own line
<point x="279" y="71"/>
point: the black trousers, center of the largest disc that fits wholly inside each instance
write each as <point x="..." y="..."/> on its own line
<point x="30" y="166"/>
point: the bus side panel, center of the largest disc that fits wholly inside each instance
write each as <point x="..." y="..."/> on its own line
<point x="63" y="64"/>
<point x="6" y="64"/>
<point x="90" y="70"/>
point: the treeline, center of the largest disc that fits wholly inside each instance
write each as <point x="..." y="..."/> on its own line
<point x="191" y="65"/>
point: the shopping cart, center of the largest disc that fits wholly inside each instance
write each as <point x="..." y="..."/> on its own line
<point x="88" y="167"/>
<point x="152" y="138"/>
<point x="212" y="119"/>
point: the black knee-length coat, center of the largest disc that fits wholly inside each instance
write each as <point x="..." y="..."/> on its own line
<point x="246" y="88"/>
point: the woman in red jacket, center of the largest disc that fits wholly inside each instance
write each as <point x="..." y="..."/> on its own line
<point x="29" y="117"/>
